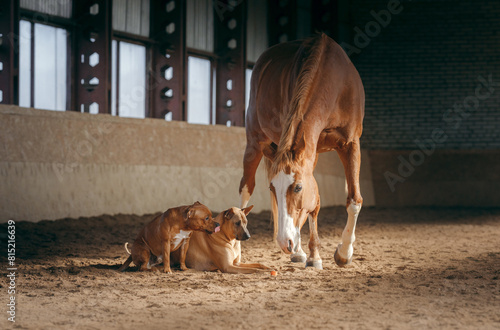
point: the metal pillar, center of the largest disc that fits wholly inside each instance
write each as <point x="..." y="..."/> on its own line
<point x="168" y="26"/>
<point x="230" y="48"/>
<point x="325" y="17"/>
<point x="282" y="21"/>
<point x="9" y="51"/>
<point x="93" y="55"/>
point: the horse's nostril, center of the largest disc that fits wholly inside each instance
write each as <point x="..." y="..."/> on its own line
<point x="290" y="246"/>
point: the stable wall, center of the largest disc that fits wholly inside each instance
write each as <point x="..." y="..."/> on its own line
<point x="67" y="164"/>
<point x="465" y="178"/>
<point x="435" y="65"/>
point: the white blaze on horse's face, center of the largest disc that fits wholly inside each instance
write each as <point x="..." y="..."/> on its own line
<point x="288" y="234"/>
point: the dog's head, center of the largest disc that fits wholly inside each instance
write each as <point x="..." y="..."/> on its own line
<point x="199" y="218"/>
<point x="234" y="223"/>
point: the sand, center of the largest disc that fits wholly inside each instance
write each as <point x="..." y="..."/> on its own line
<point x="413" y="268"/>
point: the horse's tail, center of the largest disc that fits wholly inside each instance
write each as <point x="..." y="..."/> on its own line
<point x="304" y="86"/>
<point x="274" y="206"/>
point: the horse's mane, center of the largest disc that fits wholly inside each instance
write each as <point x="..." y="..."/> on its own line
<point x="284" y="154"/>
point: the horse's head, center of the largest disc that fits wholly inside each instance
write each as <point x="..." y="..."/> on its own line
<point x="295" y="194"/>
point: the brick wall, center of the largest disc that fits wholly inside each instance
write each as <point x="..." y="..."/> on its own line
<point x="421" y="68"/>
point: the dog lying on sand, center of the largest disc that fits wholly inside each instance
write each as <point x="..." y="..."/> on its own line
<point x="219" y="251"/>
<point x="169" y="232"/>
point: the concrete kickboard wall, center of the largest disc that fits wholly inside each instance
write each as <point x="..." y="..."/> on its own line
<point x="66" y="164"/>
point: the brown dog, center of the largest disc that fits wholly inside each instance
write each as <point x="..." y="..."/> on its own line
<point x="220" y="251"/>
<point x="169" y="232"/>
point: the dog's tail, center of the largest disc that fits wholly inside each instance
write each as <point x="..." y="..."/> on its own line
<point x="128" y="261"/>
<point x="126" y="248"/>
<point x="125" y="265"/>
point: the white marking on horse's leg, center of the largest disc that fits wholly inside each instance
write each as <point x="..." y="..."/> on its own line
<point x="286" y="229"/>
<point x="299" y="255"/>
<point x="345" y="248"/>
<point x="244" y="196"/>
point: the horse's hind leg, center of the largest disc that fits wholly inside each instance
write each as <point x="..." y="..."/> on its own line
<point x="350" y="156"/>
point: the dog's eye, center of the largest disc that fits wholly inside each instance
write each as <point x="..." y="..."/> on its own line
<point x="298" y="188"/>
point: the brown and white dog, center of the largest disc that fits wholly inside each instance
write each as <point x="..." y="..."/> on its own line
<point x="220" y="251"/>
<point x="169" y="232"/>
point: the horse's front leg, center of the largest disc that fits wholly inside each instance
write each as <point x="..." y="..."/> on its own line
<point x="314" y="259"/>
<point x="251" y="160"/>
<point x="299" y="255"/>
<point x="351" y="159"/>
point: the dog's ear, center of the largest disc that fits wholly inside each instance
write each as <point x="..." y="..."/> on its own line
<point x="247" y="210"/>
<point x="228" y="214"/>
<point x="190" y="212"/>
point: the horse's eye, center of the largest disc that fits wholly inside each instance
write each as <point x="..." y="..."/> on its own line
<point x="298" y="188"/>
<point x="238" y="223"/>
<point x="206" y="219"/>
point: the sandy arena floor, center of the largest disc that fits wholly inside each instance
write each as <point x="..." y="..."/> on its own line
<point x="413" y="269"/>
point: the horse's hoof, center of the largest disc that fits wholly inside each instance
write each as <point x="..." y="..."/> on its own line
<point x="298" y="257"/>
<point x="341" y="262"/>
<point x="318" y="264"/>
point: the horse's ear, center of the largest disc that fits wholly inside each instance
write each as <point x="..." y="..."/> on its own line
<point x="247" y="210"/>
<point x="299" y="147"/>
<point x="269" y="152"/>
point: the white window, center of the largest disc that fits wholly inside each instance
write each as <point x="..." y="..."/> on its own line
<point x="25" y="64"/>
<point x="131" y="16"/>
<point x="199" y="91"/>
<point x="303" y="19"/>
<point x="256" y="29"/>
<point x="128" y="79"/>
<point x="60" y="8"/>
<point x="248" y="78"/>
<point x="200" y="24"/>
<point x="50" y="66"/>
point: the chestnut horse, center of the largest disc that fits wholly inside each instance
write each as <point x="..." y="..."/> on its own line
<point x="306" y="98"/>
